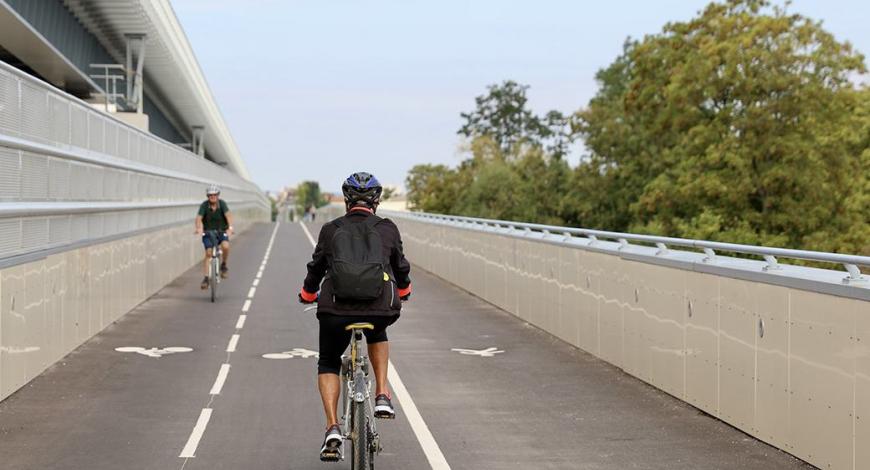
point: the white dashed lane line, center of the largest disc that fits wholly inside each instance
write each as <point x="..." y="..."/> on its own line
<point x="189" y="450"/>
<point x="220" y="380"/>
<point x="421" y="430"/>
<point x="234" y="341"/>
<point x="198" y="430"/>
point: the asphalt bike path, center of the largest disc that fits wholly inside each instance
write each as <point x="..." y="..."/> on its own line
<point x="482" y="388"/>
<point x="269" y="414"/>
<point x="98" y="408"/>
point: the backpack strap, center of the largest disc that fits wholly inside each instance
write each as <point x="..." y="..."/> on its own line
<point x="221" y="205"/>
<point x="372" y="220"/>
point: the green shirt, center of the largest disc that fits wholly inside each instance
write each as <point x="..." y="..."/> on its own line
<point x="214" y="219"/>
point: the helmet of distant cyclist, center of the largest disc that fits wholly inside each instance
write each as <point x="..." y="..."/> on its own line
<point x="361" y="189"/>
<point x="212" y="189"/>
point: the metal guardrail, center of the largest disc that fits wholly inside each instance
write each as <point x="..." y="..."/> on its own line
<point x="850" y="262"/>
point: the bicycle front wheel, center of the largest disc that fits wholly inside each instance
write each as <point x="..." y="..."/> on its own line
<point x="362" y="458"/>
<point x="213" y="281"/>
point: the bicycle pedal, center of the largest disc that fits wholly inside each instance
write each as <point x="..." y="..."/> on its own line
<point x="330" y="455"/>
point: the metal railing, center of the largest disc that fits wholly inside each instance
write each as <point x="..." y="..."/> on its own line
<point x="591" y="237"/>
<point x="70" y="173"/>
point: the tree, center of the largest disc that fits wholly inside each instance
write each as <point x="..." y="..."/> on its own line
<point x="502" y="115"/>
<point x="429" y="188"/>
<point x="308" y="194"/>
<point x="739" y="125"/>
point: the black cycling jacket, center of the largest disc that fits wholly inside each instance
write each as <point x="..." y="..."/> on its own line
<point x="398" y="269"/>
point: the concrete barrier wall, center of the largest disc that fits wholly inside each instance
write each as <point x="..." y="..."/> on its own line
<point x="50" y="306"/>
<point x="788" y="365"/>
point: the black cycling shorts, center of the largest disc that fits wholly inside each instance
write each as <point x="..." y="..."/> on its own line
<point x="334" y="339"/>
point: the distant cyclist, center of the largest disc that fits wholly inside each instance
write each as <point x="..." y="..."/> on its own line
<point x="365" y="276"/>
<point x="214" y="214"/>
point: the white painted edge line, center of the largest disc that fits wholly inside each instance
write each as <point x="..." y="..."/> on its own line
<point x="308" y="234"/>
<point x="427" y="441"/>
<point x="247" y="306"/>
<point x="195" y="435"/>
<point x="259" y="274"/>
<point x="421" y="430"/>
<point x="221" y="378"/>
<point x="241" y="323"/>
<point x="234" y="341"/>
<point x="252" y="292"/>
<point x="256" y="282"/>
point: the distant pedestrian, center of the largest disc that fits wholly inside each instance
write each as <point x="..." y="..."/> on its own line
<point x="312" y="212"/>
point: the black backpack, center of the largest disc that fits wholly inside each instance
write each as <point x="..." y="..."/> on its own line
<point x="357" y="260"/>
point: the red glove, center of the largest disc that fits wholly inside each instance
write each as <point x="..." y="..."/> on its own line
<point x="405" y="294"/>
<point x="307" y="297"/>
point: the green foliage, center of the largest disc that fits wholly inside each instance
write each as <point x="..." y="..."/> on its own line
<point x="522" y="186"/>
<point x="502" y="116"/>
<point x="308" y="194"/>
<point x="740" y="125"/>
<point x="274" y="208"/>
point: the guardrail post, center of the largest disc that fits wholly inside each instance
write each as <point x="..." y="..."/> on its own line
<point x="592" y="240"/>
<point x="623" y="243"/>
<point x="854" y="274"/>
<point x="711" y="255"/>
<point x="663" y="249"/>
<point x="566" y="236"/>
<point x="772" y="263"/>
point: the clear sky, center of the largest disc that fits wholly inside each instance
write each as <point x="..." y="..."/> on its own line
<point x="315" y="90"/>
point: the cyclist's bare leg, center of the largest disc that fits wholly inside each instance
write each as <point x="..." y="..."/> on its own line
<point x="379" y="354"/>
<point x="330" y="389"/>
<point x="225" y="252"/>
<point x="205" y="262"/>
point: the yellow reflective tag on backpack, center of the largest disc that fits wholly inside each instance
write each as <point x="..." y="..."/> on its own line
<point x="386" y="277"/>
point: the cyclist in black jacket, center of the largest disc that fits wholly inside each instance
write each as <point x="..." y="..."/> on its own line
<point x="362" y="193"/>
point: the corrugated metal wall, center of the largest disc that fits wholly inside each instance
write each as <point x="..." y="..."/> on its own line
<point x="61" y="28"/>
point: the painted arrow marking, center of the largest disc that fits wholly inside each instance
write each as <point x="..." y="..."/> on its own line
<point x="295" y="352"/>
<point x="488" y="352"/>
<point x="154" y="352"/>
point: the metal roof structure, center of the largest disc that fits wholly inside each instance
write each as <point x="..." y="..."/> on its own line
<point x="173" y="77"/>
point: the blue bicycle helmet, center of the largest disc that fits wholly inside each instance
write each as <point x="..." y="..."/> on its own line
<point x="361" y="189"/>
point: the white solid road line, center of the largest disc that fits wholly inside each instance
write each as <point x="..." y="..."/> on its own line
<point x="247" y="306"/>
<point x="189" y="450"/>
<point x="234" y="341"/>
<point x="427" y="441"/>
<point x="421" y="430"/>
<point x="241" y="323"/>
<point x="308" y="234"/>
<point x="221" y="378"/>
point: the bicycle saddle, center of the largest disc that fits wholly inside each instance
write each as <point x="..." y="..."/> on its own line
<point x="359" y="326"/>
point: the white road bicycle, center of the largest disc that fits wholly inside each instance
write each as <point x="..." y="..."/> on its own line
<point x="214" y="265"/>
<point x="357" y="420"/>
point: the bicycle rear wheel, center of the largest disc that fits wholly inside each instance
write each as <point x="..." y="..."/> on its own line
<point x="360" y="439"/>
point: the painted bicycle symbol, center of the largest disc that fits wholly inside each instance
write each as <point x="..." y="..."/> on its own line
<point x="488" y="352"/>
<point x="295" y="352"/>
<point x="154" y="352"/>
